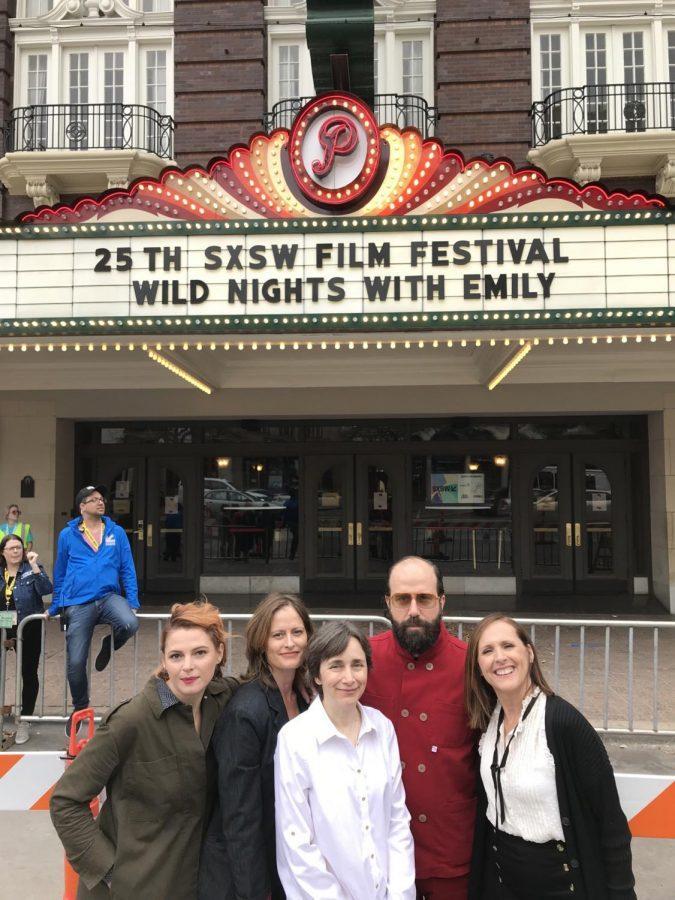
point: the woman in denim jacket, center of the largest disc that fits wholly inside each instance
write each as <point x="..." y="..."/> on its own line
<point x="23" y="584"/>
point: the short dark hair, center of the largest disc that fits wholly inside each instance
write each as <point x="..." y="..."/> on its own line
<point x="330" y="641"/>
<point x="479" y="697"/>
<point x="440" y="590"/>
<point x="3" y="543"/>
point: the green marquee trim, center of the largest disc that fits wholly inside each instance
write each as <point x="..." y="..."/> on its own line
<point x="347" y="224"/>
<point x="633" y="317"/>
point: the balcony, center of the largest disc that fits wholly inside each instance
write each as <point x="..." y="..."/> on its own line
<point x="56" y="149"/>
<point x="607" y="131"/>
<point x="402" y="110"/>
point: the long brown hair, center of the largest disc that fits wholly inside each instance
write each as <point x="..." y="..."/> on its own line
<point x="258" y="633"/>
<point x="3" y="543"/>
<point x="479" y="697"/>
<point x="199" y="614"/>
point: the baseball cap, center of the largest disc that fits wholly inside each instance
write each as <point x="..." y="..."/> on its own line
<point x="87" y="491"/>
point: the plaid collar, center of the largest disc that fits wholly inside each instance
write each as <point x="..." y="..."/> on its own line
<point x="166" y="696"/>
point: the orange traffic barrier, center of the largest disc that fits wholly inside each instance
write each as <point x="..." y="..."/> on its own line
<point x="75" y="746"/>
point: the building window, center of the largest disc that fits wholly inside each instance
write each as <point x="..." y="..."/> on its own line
<point x="35" y="8"/>
<point x="155" y="77"/>
<point x="113" y="96"/>
<point x="289" y="71"/>
<point x="36" y="95"/>
<point x="78" y="95"/>
<point x="596" y="81"/>
<point x="634" y="79"/>
<point x="376" y="80"/>
<point x="411" y="60"/>
<point x="550" y="62"/>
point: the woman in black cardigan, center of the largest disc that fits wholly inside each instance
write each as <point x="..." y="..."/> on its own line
<point x="239" y="853"/>
<point x="549" y="822"/>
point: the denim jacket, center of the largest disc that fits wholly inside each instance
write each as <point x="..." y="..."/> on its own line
<point x="29" y="589"/>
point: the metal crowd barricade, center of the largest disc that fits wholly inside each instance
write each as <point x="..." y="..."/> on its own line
<point x="600" y="665"/>
<point x="228" y="619"/>
<point x="609" y="628"/>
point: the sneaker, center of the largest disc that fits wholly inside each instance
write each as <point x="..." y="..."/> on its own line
<point x="103" y="657"/>
<point x="22" y="733"/>
<point x="69" y="724"/>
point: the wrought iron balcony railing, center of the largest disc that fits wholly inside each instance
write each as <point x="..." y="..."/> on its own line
<point x="603" y="109"/>
<point x="403" y="110"/>
<point x="89" y="126"/>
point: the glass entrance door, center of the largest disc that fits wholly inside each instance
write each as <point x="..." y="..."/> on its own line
<point x="574" y="523"/>
<point x="354" y="520"/>
<point x="155" y="501"/>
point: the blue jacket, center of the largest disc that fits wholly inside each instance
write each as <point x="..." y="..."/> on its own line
<point x="29" y="589"/>
<point x="82" y="575"/>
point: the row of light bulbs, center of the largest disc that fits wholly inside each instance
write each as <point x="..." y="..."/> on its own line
<point x="332" y="344"/>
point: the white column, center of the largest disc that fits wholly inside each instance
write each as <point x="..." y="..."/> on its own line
<point x="662" y="502"/>
<point x="54" y="75"/>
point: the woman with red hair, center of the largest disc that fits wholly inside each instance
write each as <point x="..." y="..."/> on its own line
<point x="150" y="755"/>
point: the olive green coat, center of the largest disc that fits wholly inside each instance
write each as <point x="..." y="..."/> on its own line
<point x="159" y="782"/>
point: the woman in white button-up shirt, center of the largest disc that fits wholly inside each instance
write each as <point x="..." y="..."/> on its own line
<point x="343" y="830"/>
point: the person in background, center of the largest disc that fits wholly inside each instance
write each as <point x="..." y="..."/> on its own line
<point x="93" y="564"/>
<point x="151" y="756"/>
<point x="343" y="830"/>
<point x="23" y="584"/>
<point x="418" y="682"/>
<point x="12" y="525"/>
<point x="549" y="822"/>
<point x="239" y="853"/>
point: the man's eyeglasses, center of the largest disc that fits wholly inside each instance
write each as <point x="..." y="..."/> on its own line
<point x="423" y="601"/>
<point x="94" y="500"/>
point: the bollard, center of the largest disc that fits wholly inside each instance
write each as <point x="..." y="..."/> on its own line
<point x="75" y="746"/>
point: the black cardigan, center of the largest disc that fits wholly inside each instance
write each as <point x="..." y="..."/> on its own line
<point x="594" y="825"/>
<point x="239" y="853"/>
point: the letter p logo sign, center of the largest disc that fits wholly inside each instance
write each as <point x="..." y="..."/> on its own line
<point x="338" y="137"/>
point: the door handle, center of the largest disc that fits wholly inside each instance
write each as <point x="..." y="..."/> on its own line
<point x="350" y="534"/>
<point x="148" y="541"/>
<point x="140" y="530"/>
<point x="568" y="534"/>
<point x="577" y="534"/>
<point x="359" y="534"/>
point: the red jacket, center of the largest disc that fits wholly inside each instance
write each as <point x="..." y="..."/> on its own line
<point x="424" y="698"/>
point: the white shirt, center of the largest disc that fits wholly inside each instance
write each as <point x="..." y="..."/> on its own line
<point x="343" y="829"/>
<point x="528" y="778"/>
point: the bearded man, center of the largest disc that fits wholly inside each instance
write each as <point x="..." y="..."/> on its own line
<point x="417" y="681"/>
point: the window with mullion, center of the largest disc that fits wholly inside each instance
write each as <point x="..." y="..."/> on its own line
<point x="634" y="78"/>
<point x="550" y="69"/>
<point x="78" y="97"/>
<point x="155" y="92"/>
<point x="596" y="83"/>
<point x="289" y="71"/>
<point x="35" y="8"/>
<point x="36" y="96"/>
<point x="671" y="77"/>
<point x="113" y="97"/>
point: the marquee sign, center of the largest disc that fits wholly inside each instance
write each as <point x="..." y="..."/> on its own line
<point x="340" y="223"/>
<point x="336" y="160"/>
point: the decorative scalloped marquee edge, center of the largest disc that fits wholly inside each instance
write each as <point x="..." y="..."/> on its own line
<point x="634" y="317"/>
<point x="348" y="224"/>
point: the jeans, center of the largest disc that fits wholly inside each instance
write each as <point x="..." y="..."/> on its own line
<point x="81" y="621"/>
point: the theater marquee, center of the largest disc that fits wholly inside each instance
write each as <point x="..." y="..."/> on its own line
<point x="337" y="221"/>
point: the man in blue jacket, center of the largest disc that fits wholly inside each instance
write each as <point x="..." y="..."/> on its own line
<point x="93" y="564"/>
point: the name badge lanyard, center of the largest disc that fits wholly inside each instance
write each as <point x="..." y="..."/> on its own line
<point x="497" y="767"/>
<point x="93" y="541"/>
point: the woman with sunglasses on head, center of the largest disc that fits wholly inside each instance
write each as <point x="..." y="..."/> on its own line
<point x="343" y="830"/>
<point x="549" y="823"/>
<point x="23" y="584"/>
<point x="12" y="525"/>
<point x="239" y="853"/>
<point x="151" y="754"/>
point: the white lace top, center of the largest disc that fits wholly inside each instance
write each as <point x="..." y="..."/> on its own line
<point x="528" y="779"/>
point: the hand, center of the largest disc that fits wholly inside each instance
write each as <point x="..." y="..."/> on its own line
<point x="32" y="558"/>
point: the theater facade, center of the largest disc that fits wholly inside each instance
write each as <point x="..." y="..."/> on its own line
<point x="342" y="342"/>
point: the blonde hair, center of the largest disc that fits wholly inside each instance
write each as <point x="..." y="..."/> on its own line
<point x="200" y="614"/>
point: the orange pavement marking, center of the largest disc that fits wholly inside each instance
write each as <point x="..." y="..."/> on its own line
<point x="657" y="819"/>
<point x="7" y="761"/>
<point x="43" y="801"/>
